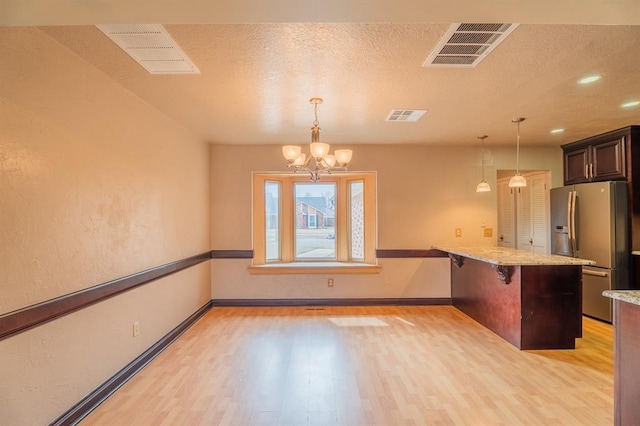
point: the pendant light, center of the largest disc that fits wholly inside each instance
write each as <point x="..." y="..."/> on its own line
<point x="483" y="186"/>
<point x="518" y="181"/>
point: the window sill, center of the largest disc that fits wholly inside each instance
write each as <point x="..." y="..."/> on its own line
<point x="315" y="268"/>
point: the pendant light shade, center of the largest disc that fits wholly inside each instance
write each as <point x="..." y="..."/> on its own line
<point x="483" y="186"/>
<point x="517" y="181"/>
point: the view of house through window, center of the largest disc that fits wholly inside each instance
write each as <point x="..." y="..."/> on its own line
<point x="315" y="216"/>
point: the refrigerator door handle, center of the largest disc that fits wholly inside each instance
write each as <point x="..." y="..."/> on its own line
<point x="594" y="273"/>
<point x="572" y="226"/>
<point x="574" y="212"/>
<point x="570" y="248"/>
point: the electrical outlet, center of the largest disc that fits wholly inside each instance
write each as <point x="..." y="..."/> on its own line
<point x="458" y="232"/>
<point x="136" y="328"/>
<point x="488" y="232"/>
<point x="330" y="282"/>
<point x="387" y="281"/>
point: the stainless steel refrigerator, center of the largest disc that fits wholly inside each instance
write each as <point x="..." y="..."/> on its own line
<point x="590" y="221"/>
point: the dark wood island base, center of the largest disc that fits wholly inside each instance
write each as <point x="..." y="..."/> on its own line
<point x="534" y="301"/>
<point x="539" y="308"/>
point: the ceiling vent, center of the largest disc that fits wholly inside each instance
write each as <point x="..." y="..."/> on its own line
<point x="465" y="45"/>
<point x="406" y="115"/>
<point x="151" y="46"/>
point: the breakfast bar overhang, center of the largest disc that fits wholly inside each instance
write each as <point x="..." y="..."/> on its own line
<point x="532" y="300"/>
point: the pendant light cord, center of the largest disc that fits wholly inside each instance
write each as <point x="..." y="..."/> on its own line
<point x="518" y="121"/>
<point x="482" y="138"/>
<point x="518" y="151"/>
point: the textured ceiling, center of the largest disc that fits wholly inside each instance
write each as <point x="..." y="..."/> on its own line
<point x="75" y="12"/>
<point x="256" y="78"/>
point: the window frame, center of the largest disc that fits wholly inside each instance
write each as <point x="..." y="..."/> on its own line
<point x="287" y="262"/>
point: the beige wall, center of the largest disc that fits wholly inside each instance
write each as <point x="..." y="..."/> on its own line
<point x="95" y="185"/>
<point x="424" y="193"/>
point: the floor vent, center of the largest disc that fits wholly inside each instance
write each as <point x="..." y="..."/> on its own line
<point x="406" y="115"/>
<point x="151" y="46"/>
<point x="465" y="45"/>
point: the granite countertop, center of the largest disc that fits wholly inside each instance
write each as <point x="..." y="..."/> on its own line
<point x="506" y="256"/>
<point x="630" y="296"/>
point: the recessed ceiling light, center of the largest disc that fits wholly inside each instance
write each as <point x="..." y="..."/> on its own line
<point x="630" y="104"/>
<point x="557" y="131"/>
<point x="589" y="79"/>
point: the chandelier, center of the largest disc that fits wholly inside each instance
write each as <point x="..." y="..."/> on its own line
<point x="320" y="161"/>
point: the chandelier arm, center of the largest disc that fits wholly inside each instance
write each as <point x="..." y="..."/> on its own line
<point x="302" y="166"/>
<point x="320" y="167"/>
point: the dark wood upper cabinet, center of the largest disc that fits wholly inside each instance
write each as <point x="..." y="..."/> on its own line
<point x="609" y="160"/>
<point x="596" y="159"/>
<point x="576" y="165"/>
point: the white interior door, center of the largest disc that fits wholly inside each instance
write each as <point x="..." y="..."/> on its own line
<point x="532" y="207"/>
<point x="506" y="214"/>
<point x="540" y="223"/>
<point x="523" y="213"/>
<point x="524" y="234"/>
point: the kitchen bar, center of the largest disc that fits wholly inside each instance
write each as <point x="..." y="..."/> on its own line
<point x="532" y="300"/>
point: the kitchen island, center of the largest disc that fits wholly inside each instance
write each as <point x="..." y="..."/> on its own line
<point x="626" y="352"/>
<point x="532" y="300"/>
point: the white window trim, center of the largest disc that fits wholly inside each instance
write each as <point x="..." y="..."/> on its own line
<point x="287" y="264"/>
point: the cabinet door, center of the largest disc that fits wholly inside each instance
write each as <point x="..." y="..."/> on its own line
<point x="576" y="165"/>
<point x="608" y="160"/>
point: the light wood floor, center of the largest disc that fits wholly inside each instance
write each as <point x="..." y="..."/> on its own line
<point x="363" y="366"/>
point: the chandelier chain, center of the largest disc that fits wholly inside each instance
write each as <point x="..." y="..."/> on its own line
<point x="315" y="111"/>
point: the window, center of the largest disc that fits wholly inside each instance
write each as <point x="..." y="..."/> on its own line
<point x="272" y="220"/>
<point x="314" y="236"/>
<point x="298" y="224"/>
